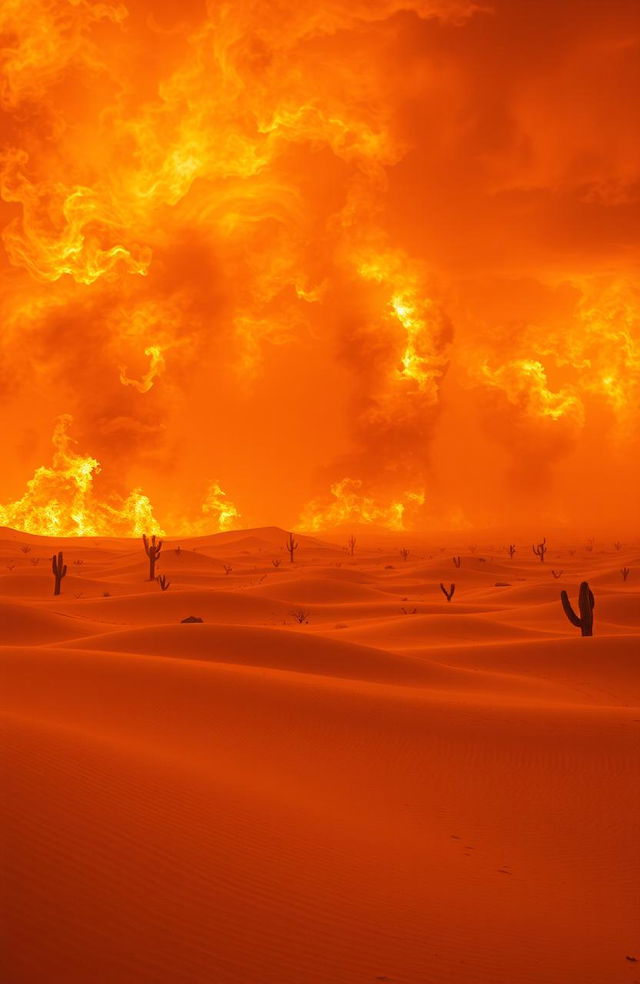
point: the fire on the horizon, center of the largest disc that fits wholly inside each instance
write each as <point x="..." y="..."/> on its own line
<point x="367" y="261"/>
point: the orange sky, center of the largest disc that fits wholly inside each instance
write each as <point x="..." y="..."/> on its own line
<point x="258" y="251"/>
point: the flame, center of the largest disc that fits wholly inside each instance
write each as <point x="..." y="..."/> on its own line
<point x="60" y="500"/>
<point x="609" y="346"/>
<point x="598" y="358"/>
<point x="65" y="230"/>
<point x="422" y="359"/>
<point x="223" y="511"/>
<point x="218" y="513"/>
<point x="135" y="515"/>
<point x="524" y="383"/>
<point x="44" y="39"/>
<point x="156" y="367"/>
<point x="351" y="506"/>
<point x="246" y="206"/>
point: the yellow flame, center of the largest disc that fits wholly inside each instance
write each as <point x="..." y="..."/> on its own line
<point x="351" y="505"/>
<point x="608" y="345"/>
<point x="218" y="506"/>
<point x="137" y="515"/>
<point x="597" y="355"/>
<point x="156" y="367"/>
<point x="64" y="231"/>
<point x="42" y="38"/>
<point x="524" y="382"/>
<point x="60" y="501"/>
<point x="422" y="358"/>
<point x="218" y="514"/>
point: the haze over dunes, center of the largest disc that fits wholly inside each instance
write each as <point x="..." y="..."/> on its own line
<point x="394" y="788"/>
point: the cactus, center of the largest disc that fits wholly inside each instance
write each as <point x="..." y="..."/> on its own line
<point x="404" y="553"/>
<point x="292" y="546"/>
<point x="162" y="581"/>
<point x="541" y="549"/>
<point x="457" y="561"/>
<point x="152" y="549"/>
<point x="276" y="562"/>
<point x="448" y="594"/>
<point x="586" y="604"/>
<point x="557" y="574"/>
<point x="625" y="571"/>
<point x="352" y="545"/>
<point x="59" y="569"/>
<point x="512" y="550"/>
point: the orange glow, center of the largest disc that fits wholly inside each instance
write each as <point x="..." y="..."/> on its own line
<point x="524" y="383"/>
<point x="349" y="506"/>
<point x="261" y="247"/>
<point x="320" y="491"/>
<point x="60" y="499"/>
<point x="156" y="366"/>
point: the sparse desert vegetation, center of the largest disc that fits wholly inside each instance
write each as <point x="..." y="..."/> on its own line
<point x="352" y="732"/>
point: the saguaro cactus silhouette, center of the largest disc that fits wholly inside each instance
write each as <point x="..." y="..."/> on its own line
<point x="162" y="581"/>
<point x="457" y="561"/>
<point x="59" y="569"/>
<point x="152" y="549"/>
<point x="540" y="549"/>
<point x="292" y="546"/>
<point x="625" y="571"/>
<point x="586" y="604"/>
<point x="352" y="545"/>
<point x="512" y="549"/>
<point x="448" y="594"/>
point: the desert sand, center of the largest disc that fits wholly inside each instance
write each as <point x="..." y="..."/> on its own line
<point x="394" y="788"/>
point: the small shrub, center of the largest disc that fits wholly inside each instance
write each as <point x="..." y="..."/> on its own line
<point x="301" y="616"/>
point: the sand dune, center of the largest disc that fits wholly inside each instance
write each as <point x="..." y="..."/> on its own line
<point x="155" y="608"/>
<point x="319" y="590"/>
<point x="369" y="795"/>
<point x="25" y="625"/>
